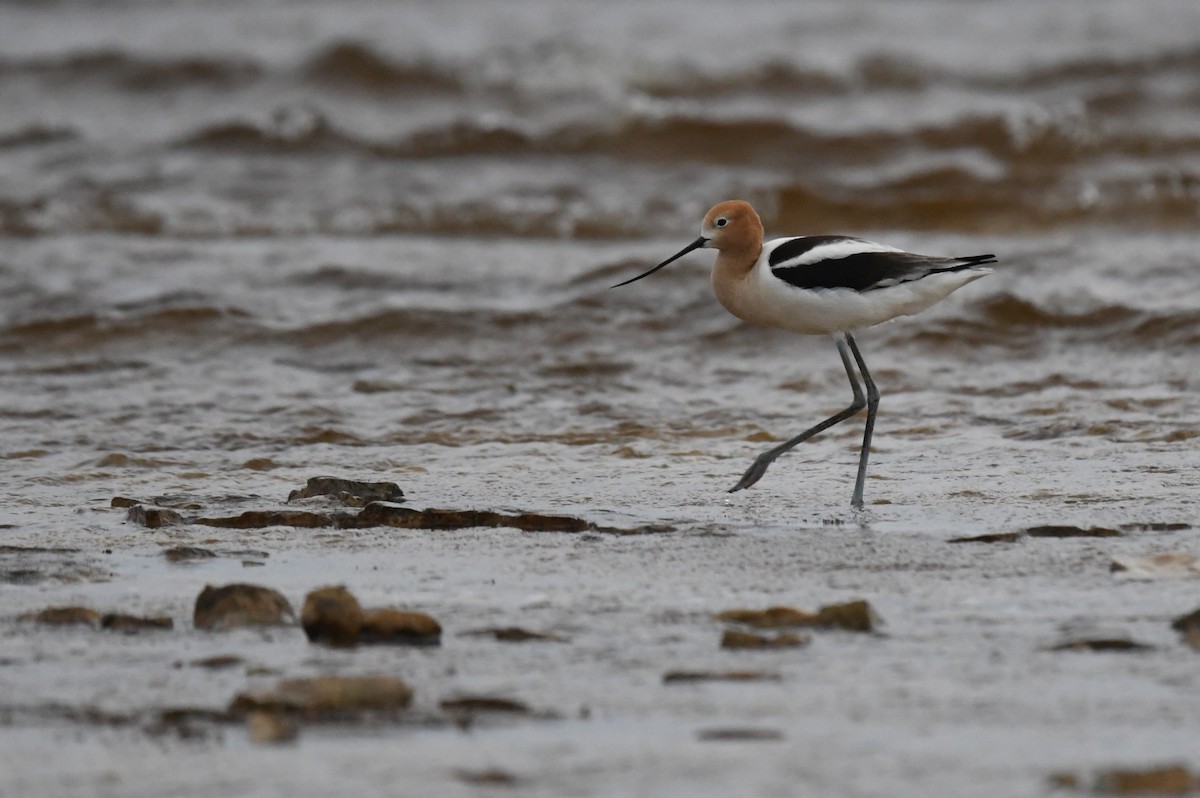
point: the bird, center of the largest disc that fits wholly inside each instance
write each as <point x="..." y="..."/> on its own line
<point x="821" y="285"/>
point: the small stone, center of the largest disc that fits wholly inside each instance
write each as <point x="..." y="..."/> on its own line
<point x="65" y="616"/>
<point x="328" y="697"/>
<point x="270" y="727"/>
<point x="1172" y="780"/>
<point x="153" y="517"/>
<point x="333" y="616"/>
<point x="232" y="606"/>
<point x="737" y="639"/>
<point x="395" y="626"/>
<point x="132" y="623"/>
<point x="188" y="553"/>
<point x="123" y="501"/>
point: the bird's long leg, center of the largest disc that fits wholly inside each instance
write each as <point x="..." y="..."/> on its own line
<point x="755" y="472"/>
<point x="872" y="406"/>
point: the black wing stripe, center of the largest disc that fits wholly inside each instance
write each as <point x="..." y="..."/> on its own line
<point x="795" y="247"/>
<point x="865" y="271"/>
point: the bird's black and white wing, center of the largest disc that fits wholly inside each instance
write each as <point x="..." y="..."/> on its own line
<point x="832" y="262"/>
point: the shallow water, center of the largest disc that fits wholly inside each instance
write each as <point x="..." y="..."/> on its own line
<point x="245" y="245"/>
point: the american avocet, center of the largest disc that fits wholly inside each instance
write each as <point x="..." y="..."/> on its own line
<point x="821" y="285"/>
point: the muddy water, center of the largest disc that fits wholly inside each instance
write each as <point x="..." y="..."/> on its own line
<point x="243" y="246"/>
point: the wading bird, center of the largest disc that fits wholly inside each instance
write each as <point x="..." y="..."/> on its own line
<point x="821" y="285"/>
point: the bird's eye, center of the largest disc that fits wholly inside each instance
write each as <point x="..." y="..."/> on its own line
<point x="722" y="222"/>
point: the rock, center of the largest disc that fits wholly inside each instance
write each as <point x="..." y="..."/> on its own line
<point x="64" y="616"/>
<point x="1158" y="566"/>
<point x="349" y="492"/>
<point x="513" y="634"/>
<point x="270" y="727"/>
<point x="333" y="616"/>
<point x="1172" y="780"/>
<point x="690" y="677"/>
<point x="328" y="697"/>
<point x="124" y="501"/>
<point x="132" y="623"/>
<point x="187" y="553"/>
<point x="854" y="616"/>
<point x="153" y="517"/>
<point x="483" y="704"/>
<point x="232" y="606"/>
<point x="1189" y="626"/>
<point x="388" y="514"/>
<point x="398" y="627"/>
<point x="739" y="735"/>
<point x="736" y="639"/>
<point x="1065" y="531"/>
<point x="994" y="537"/>
<point x="260" y="519"/>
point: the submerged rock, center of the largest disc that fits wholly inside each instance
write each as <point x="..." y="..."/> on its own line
<point x="333" y="616"/>
<point x="328" y="697"/>
<point x="350" y="492"/>
<point x="738" y="639"/>
<point x="232" y="606"/>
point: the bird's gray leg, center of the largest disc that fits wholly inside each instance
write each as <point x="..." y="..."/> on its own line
<point x="872" y="406"/>
<point x="755" y="472"/>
